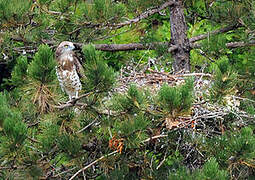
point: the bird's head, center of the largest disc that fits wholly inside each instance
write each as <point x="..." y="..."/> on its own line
<point x="65" y="46"/>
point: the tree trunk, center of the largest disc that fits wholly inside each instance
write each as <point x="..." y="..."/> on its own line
<point x="179" y="38"/>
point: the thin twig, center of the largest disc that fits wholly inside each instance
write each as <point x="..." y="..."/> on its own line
<point x="90" y="124"/>
<point x="245" y="99"/>
<point x="32" y="139"/>
<point x="204" y="36"/>
<point x="57" y="175"/>
<point x="154" y="137"/>
<point x="160" y="164"/>
<point x="91" y="164"/>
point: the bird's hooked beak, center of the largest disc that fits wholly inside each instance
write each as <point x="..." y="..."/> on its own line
<point x="71" y="47"/>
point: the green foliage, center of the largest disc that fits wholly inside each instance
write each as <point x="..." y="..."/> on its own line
<point x="42" y="68"/>
<point x="90" y="54"/>
<point x="243" y="62"/>
<point x="69" y="144"/>
<point x="169" y="97"/>
<point x="106" y="9"/>
<point x="35" y="172"/>
<point x="231" y="11"/>
<point x="14" y="10"/>
<point x="176" y="99"/>
<point x="132" y="102"/>
<point x="133" y="129"/>
<point x="20" y="71"/>
<point x="210" y="170"/>
<point x="132" y="126"/>
<point x="215" y="45"/>
<point x="225" y="79"/>
<point x="4" y="108"/>
<point x="48" y="135"/>
<point x="64" y="5"/>
<point x="15" y="129"/>
<point x="233" y="148"/>
<point x="98" y="75"/>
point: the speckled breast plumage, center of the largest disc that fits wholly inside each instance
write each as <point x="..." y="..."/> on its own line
<point x="68" y="77"/>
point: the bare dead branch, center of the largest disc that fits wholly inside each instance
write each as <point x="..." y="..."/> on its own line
<point x="218" y="31"/>
<point x="32" y="139"/>
<point x="144" y="15"/>
<point x="229" y="45"/>
<point x="240" y="44"/>
<point x="192" y="74"/>
<point x="127" y="47"/>
<point x="153" y="46"/>
<point x="244" y="99"/>
<point x="138" y="46"/>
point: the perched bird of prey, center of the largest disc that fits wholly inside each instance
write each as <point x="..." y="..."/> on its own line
<point x="68" y="69"/>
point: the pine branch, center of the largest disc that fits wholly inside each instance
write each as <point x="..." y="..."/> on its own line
<point x="73" y="102"/>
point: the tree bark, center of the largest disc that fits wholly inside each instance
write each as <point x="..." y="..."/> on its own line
<point x="179" y="38"/>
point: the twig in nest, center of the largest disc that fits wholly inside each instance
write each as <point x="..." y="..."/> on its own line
<point x="181" y="75"/>
<point x="244" y="99"/>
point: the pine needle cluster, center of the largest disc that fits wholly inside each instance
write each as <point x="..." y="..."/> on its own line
<point x="14" y="130"/>
<point x="225" y="80"/>
<point x="19" y="72"/>
<point x="176" y="99"/>
<point x="99" y="77"/>
<point x="36" y="78"/>
<point x="134" y="101"/>
<point x="14" y="12"/>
